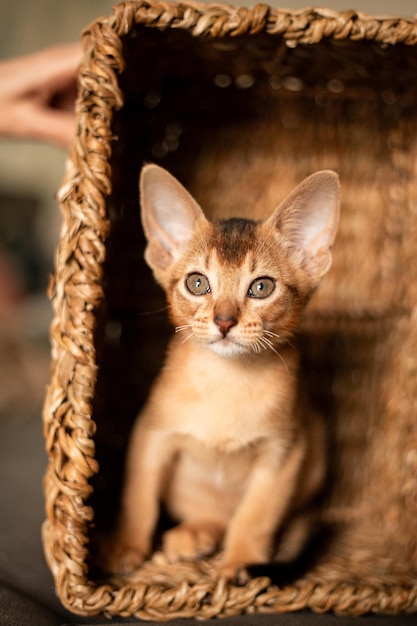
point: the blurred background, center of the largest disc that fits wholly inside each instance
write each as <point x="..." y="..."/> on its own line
<point x="30" y="174"/>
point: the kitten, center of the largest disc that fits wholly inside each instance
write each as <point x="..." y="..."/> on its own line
<point x="223" y="441"/>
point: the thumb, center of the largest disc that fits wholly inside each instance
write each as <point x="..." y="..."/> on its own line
<point x="53" y="125"/>
<point x="32" y="120"/>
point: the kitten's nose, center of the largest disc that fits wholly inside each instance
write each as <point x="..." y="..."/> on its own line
<point x="225" y="323"/>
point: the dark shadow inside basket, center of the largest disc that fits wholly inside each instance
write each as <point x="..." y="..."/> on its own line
<point x="222" y="114"/>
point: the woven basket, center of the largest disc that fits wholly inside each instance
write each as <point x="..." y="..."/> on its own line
<point x="204" y="90"/>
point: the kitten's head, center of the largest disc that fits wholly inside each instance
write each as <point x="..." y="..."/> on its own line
<point x="238" y="286"/>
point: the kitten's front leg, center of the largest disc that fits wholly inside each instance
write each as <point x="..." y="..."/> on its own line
<point x="263" y="506"/>
<point x="149" y="454"/>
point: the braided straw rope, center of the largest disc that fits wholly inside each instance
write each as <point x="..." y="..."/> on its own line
<point x="77" y="292"/>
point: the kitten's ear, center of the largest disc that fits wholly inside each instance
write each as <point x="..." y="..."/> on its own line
<point x="308" y="220"/>
<point x="169" y="214"/>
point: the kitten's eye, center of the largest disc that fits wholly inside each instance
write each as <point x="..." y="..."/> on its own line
<point x="197" y="284"/>
<point x="261" y="288"/>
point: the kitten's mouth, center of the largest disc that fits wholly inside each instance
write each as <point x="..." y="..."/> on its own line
<point x="226" y="347"/>
<point x="225" y="341"/>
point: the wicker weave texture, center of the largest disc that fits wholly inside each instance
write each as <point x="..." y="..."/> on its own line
<point x="209" y="91"/>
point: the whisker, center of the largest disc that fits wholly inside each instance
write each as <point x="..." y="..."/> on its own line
<point x="179" y="329"/>
<point x="287" y="341"/>
<point x="256" y="346"/>
<point x="191" y="334"/>
<point x="183" y="327"/>
<point x="154" y="312"/>
<point x="277" y="336"/>
<point x="268" y="345"/>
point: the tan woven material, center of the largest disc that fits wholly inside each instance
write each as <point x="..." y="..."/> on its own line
<point x="209" y="91"/>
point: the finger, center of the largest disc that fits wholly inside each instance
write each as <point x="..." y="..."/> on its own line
<point x="58" y="64"/>
<point x="54" y="126"/>
<point x="30" y="121"/>
<point x="29" y="72"/>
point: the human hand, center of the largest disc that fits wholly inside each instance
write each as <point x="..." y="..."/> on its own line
<point x="37" y="94"/>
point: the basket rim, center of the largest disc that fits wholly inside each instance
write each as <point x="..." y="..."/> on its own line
<point x="298" y="26"/>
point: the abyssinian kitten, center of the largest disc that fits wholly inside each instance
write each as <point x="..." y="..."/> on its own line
<point x="223" y="440"/>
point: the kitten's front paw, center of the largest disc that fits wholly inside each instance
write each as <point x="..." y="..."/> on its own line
<point x="191" y="541"/>
<point x="235" y="572"/>
<point x="124" y="559"/>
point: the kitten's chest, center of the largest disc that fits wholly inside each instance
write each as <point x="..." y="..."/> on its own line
<point x="223" y="402"/>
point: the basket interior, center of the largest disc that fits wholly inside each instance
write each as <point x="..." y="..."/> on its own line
<point x="225" y="113"/>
